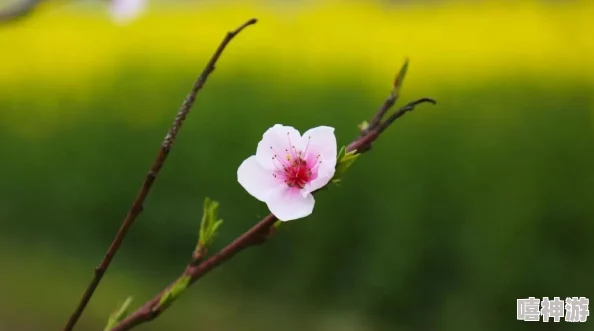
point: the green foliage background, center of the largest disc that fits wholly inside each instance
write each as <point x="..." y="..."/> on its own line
<point x="460" y="209"/>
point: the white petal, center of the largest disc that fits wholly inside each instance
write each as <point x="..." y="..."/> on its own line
<point x="289" y="204"/>
<point x="325" y="174"/>
<point x="281" y="138"/>
<point x="257" y="180"/>
<point x="322" y="140"/>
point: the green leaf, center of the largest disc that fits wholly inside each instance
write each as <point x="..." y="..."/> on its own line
<point x="210" y="223"/>
<point x="118" y="315"/>
<point x="174" y="292"/>
<point x="345" y="161"/>
<point x="341" y="153"/>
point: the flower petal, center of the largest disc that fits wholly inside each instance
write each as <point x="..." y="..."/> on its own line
<point x="322" y="140"/>
<point x="278" y="140"/>
<point x="325" y="173"/>
<point x="289" y="204"/>
<point x="256" y="180"/>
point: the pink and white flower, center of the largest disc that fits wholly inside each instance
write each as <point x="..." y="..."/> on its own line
<point x="288" y="167"/>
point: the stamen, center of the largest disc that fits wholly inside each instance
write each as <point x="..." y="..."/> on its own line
<point x="298" y="168"/>
<point x="317" y="165"/>
<point x="306" y="147"/>
<point x="293" y="150"/>
<point x="280" y="161"/>
<point x="276" y="165"/>
<point x="299" y="162"/>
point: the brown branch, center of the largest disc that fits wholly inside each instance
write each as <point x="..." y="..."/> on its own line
<point x="390" y="101"/>
<point x="377" y="118"/>
<point x="409" y="107"/>
<point x="258" y="234"/>
<point x="150" y="310"/>
<point x="137" y="205"/>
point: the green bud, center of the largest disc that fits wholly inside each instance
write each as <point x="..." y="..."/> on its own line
<point x="118" y="315"/>
<point x="345" y="161"/>
<point x="174" y="292"/>
<point x="209" y="224"/>
<point x="363" y="126"/>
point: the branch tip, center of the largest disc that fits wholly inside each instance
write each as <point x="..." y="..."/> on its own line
<point x="251" y="21"/>
<point x="144" y="190"/>
<point x="403" y="110"/>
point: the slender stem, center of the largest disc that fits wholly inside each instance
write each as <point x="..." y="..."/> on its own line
<point x="375" y="122"/>
<point x="390" y="101"/>
<point x="403" y="110"/>
<point x="258" y="234"/>
<point x="151" y="309"/>
<point x="137" y="205"/>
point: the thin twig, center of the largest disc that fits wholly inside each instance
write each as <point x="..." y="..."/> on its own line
<point x="408" y="107"/>
<point x="137" y="205"/>
<point x="258" y="234"/>
<point x="390" y="101"/>
<point x="151" y="309"/>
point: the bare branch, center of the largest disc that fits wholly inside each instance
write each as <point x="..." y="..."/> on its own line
<point x="258" y="234"/>
<point x="137" y="205"/>
<point x="375" y="122"/>
<point x="408" y="107"/>
<point x="390" y="101"/>
<point x="150" y="310"/>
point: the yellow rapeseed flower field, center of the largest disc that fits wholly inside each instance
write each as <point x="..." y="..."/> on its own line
<point x="450" y="41"/>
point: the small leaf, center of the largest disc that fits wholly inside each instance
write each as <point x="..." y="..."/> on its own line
<point x="174" y="292"/>
<point x="341" y="153"/>
<point x="118" y="315"/>
<point x="209" y="224"/>
<point x="345" y="161"/>
<point x="204" y="222"/>
<point x="400" y="78"/>
<point x="215" y="227"/>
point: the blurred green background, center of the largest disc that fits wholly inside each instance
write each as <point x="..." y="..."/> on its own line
<point x="459" y="210"/>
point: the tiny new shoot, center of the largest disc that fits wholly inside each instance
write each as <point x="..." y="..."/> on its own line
<point x="118" y="315"/>
<point x="208" y="227"/>
<point x="344" y="161"/>
<point x="174" y="292"/>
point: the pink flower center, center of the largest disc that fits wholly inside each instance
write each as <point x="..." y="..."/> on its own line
<point x="298" y="173"/>
<point x="296" y="169"/>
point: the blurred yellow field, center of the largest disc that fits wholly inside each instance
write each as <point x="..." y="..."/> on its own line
<point x="453" y="40"/>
